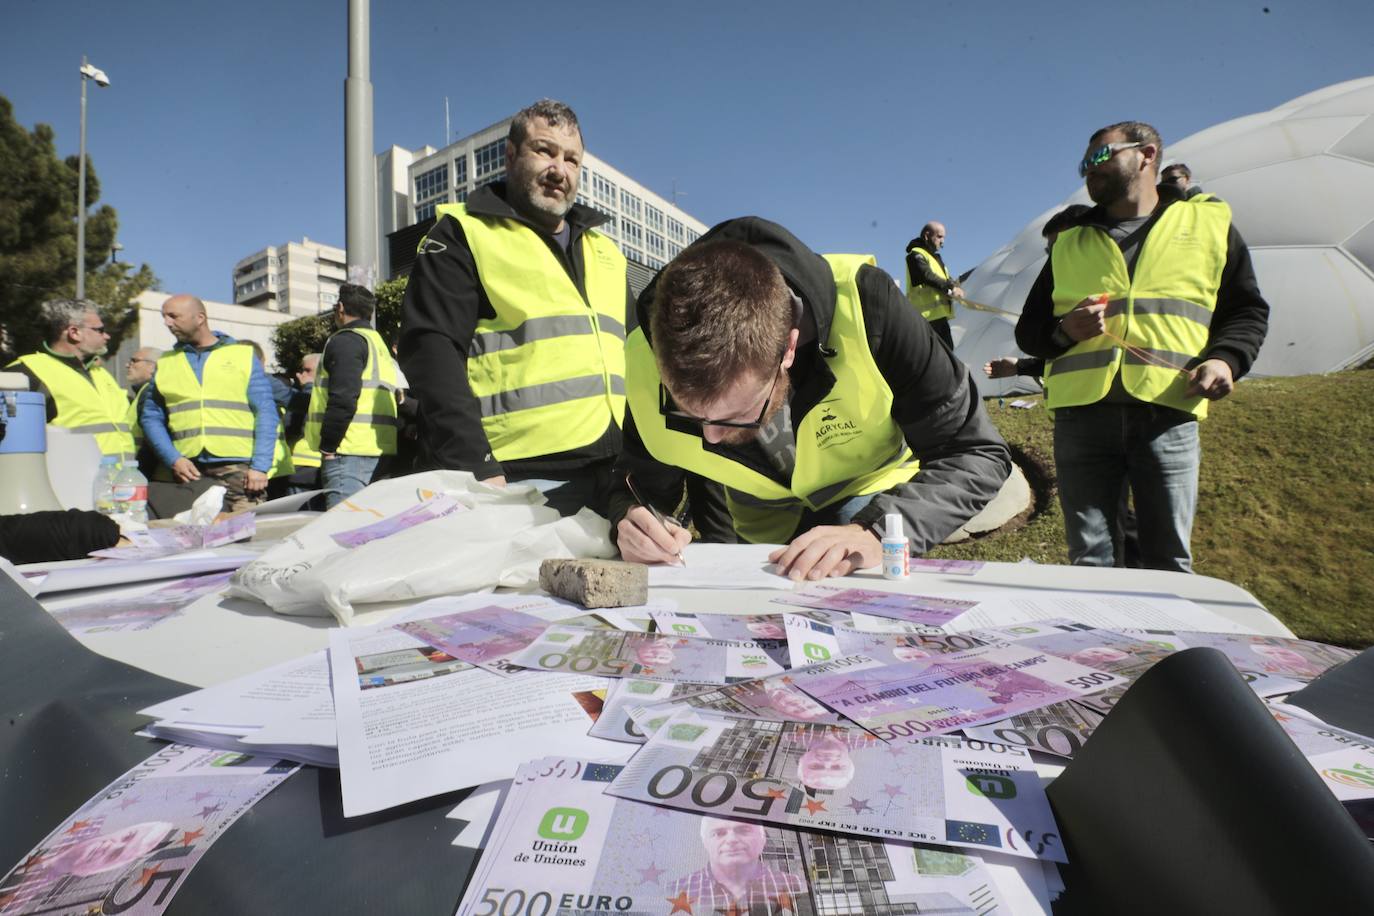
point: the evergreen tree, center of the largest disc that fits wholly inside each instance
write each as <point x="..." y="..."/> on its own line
<point x="38" y="200"/>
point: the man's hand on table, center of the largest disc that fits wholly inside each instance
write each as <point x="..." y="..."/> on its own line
<point x="643" y="539"/>
<point x="828" y="550"/>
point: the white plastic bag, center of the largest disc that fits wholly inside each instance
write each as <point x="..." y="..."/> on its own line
<point x="482" y="537"/>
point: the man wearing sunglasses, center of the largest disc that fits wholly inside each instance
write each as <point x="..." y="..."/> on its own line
<point x="807" y="387"/>
<point x="1146" y="310"/>
<point x="82" y="395"/>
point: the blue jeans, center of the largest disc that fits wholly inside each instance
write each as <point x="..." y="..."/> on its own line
<point x="1099" y="447"/>
<point x="588" y="487"/>
<point x="344" y="475"/>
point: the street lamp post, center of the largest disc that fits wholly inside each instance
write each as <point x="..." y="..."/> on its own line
<point x="87" y="73"/>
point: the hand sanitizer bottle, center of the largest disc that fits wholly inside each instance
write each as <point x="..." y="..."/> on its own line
<point x="896" y="548"/>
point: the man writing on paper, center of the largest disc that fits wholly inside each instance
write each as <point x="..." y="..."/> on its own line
<point x="810" y="389"/>
<point x="1146" y="310"/>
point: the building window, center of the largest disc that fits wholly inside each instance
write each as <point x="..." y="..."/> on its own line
<point x="675" y="231"/>
<point x="461" y="196"/>
<point x="692" y="235"/>
<point x="630" y="205"/>
<point x="431" y="183"/>
<point x="655" y="244"/>
<point x="490" y="159"/>
<point x="488" y="179"/>
<point x="653" y="217"/>
<point x="424" y="212"/>
<point x="609" y="227"/>
<point x="673" y="250"/>
<point x="604" y="190"/>
<point x="460" y="170"/>
<point x="632" y="232"/>
<point x="655" y="263"/>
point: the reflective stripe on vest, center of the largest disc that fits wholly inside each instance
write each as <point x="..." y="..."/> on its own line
<point x="932" y="303"/>
<point x="1164" y="311"/>
<point x="96" y="405"/>
<point x="548" y="371"/>
<point x="847" y="445"/>
<point x="212" y="415"/>
<point x="303" y="456"/>
<point x="372" y="430"/>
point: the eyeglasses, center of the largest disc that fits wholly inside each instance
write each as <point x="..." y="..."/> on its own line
<point x="99" y="329"/>
<point x="670" y="409"/>
<point x="139" y="359"/>
<point x="1102" y="154"/>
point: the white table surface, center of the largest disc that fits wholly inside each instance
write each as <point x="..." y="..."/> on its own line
<point x="219" y="638"/>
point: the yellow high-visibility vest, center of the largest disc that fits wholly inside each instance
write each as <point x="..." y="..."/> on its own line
<point x="303" y="456"/>
<point x="932" y="303"/>
<point x="214" y="415"/>
<point x="94" y="405"/>
<point x="372" y="431"/>
<point x="548" y="370"/>
<point x="1165" y="310"/>
<point x="847" y="445"/>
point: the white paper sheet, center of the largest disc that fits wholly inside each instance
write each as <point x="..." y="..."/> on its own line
<point x="425" y="726"/>
<point x="69" y="575"/>
<point x="1106" y="610"/>
<point x="720" y="566"/>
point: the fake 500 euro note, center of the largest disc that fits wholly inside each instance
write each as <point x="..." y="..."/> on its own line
<point x="561" y="845"/>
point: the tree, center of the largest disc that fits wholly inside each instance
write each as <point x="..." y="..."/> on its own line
<point x="294" y="340"/>
<point x="38" y="201"/>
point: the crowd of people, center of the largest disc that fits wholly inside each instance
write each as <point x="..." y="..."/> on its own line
<point x="771" y="393"/>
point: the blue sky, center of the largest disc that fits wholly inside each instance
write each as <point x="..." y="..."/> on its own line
<point x="851" y="124"/>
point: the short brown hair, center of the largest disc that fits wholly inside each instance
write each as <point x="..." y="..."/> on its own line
<point x="721" y="310"/>
<point x="551" y="110"/>
<point x="1136" y="132"/>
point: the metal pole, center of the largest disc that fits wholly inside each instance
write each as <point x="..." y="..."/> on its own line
<point x="360" y="170"/>
<point x="81" y="196"/>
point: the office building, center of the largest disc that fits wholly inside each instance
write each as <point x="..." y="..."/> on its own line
<point x="298" y="278"/>
<point x="649" y="229"/>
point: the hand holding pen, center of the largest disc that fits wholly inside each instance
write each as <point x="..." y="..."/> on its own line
<point x="646" y="535"/>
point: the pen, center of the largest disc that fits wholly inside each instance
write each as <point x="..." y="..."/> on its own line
<point x="662" y="519"/>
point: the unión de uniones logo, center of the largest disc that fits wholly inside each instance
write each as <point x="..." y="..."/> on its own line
<point x="563" y="824"/>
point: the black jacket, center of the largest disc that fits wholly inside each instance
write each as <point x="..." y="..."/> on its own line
<point x="345" y="360"/>
<point x="444" y="301"/>
<point x="963" y="458"/>
<point x="1238" y="325"/>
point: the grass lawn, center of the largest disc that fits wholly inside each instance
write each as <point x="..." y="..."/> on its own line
<point x="1285" y="502"/>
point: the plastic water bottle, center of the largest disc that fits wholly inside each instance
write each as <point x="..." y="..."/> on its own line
<point x="102" y="488"/>
<point x="131" y="493"/>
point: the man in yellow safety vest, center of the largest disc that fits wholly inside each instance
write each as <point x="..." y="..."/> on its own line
<point x="209" y="412"/>
<point x="351" y="423"/>
<point x="928" y="284"/>
<point x="82" y="395"/>
<point x="807" y="387"/>
<point x="1146" y="310"/>
<point x="513" y="328"/>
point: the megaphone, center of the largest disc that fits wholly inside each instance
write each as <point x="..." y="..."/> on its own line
<point x="24" y="483"/>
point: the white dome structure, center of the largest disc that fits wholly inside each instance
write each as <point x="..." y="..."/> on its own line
<point x="1300" y="182"/>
